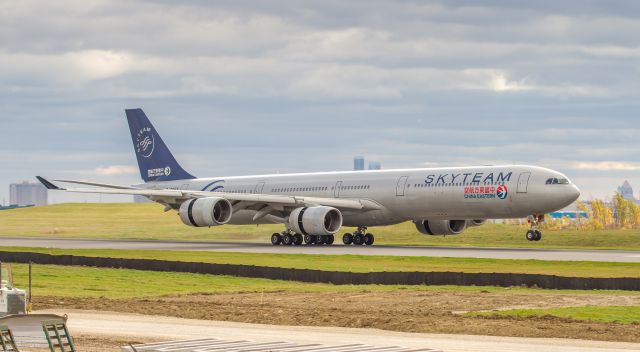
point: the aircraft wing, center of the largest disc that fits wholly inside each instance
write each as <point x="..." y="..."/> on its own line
<point x="170" y="196"/>
<point x="89" y="183"/>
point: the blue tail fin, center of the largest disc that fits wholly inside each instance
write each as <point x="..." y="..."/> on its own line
<point x="154" y="158"/>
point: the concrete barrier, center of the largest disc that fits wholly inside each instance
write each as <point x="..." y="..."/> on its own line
<point x="335" y="277"/>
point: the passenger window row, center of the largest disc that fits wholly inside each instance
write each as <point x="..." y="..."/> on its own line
<point x="456" y="184"/>
<point x="299" y="189"/>
<point x="239" y="191"/>
<point x="354" y="187"/>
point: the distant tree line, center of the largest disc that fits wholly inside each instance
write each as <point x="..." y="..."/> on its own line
<point x="622" y="213"/>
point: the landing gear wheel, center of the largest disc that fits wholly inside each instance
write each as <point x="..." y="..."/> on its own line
<point x="287" y="239"/>
<point x="347" y="239"/>
<point x="308" y="239"/>
<point x="329" y="240"/>
<point x="369" y="239"/>
<point x="297" y="239"/>
<point x="538" y="235"/>
<point x="358" y="239"/>
<point x="531" y="235"/>
<point x="276" y="239"/>
<point x="321" y="240"/>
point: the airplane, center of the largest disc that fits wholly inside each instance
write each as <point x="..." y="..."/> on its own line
<point x="313" y="207"/>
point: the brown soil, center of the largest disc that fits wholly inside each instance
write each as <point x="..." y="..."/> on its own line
<point x="426" y="312"/>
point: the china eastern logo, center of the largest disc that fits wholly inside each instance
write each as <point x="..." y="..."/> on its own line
<point x="502" y="192"/>
<point x="486" y="192"/>
<point x="145" y="142"/>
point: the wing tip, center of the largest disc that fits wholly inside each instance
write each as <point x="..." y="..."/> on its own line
<point x="47" y="184"/>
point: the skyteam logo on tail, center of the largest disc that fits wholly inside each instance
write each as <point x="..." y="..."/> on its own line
<point x="502" y="192"/>
<point x="145" y="142"/>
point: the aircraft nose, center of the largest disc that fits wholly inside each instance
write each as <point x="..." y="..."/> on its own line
<point x="574" y="193"/>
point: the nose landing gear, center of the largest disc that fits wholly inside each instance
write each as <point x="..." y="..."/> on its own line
<point x="534" y="233"/>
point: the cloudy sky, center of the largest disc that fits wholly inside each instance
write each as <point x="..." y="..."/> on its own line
<point x="246" y="87"/>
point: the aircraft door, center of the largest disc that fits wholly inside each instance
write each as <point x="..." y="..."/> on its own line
<point x="400" y="186"/>
<point x="259" y="188"/>
<point x="336" y="189"/>
<point x="523" y="182"/>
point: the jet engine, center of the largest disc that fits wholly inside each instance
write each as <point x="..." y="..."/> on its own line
<point x="319" y="221"/>
<point x="210" y="211"/>
<point x="441" y="227"/>
<point x="476" y="222"/>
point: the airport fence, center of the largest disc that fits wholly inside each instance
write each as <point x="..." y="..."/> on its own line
<point x="335" y="277"/>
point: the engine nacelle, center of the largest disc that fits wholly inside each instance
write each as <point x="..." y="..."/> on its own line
<point x="210" y="211"/>
<point x="476" y="222"/>
<point x="441" y="227"/>
<point x="319" y="221"/>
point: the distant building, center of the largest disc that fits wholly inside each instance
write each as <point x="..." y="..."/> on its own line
<point x="375" y="165"/>
<point x="627" y="191"/>
<point x="570" y="212"/>
<point x="358" y="163"/>
<point x="26" y="193"/>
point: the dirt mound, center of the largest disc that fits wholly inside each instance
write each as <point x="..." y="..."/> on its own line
<point x="426" y="312"/>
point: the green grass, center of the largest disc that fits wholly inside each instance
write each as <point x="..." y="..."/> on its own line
<point x="148" y="221"/>
<point x="365" y="263"/>
<point x="73" y="281"/>
<point x="608" y="314"/>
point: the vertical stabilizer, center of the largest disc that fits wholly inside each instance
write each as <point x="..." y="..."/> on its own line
<point x="154" y="158"/>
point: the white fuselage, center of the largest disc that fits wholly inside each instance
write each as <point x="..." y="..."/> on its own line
<point x="486" y="192"/>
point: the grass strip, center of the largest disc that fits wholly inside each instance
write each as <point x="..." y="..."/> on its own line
<point x="73" y="281"/>
<point x="606" y="314"/>
<point x="148" y="221"/>
<point x="363" y="263"/>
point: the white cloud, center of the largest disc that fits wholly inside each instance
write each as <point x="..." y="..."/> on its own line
<point x="100" y="64"/>
<point x="116" y="170"/>
<point x="500" y="83"/>
<point x="606" y="166"/>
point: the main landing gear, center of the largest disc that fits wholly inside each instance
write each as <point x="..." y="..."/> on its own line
<point x="534" y="234"/>
<point x="358" y="237"/>
<point x="289" y="238"/>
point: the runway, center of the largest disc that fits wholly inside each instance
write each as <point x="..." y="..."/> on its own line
<point x="336" y="249"/>
<point x="135" y="327"/>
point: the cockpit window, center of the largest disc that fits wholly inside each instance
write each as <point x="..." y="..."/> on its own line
<point x="557" y="181"/>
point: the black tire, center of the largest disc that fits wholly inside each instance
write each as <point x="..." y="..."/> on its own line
<point x="369" y="239"/>
<point x="358" y="239"/>
<point x="538" y="235"/>
<point x="297" y="239"/>
<point x="287" y="239"/>
<point x="347" y="239"/>
<point x="330" y="240"/>
<point x="308" y="239"/>
<point x="320" y="240"/>
<point x="276" y="239"/>
<point x="531" y="235"/>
